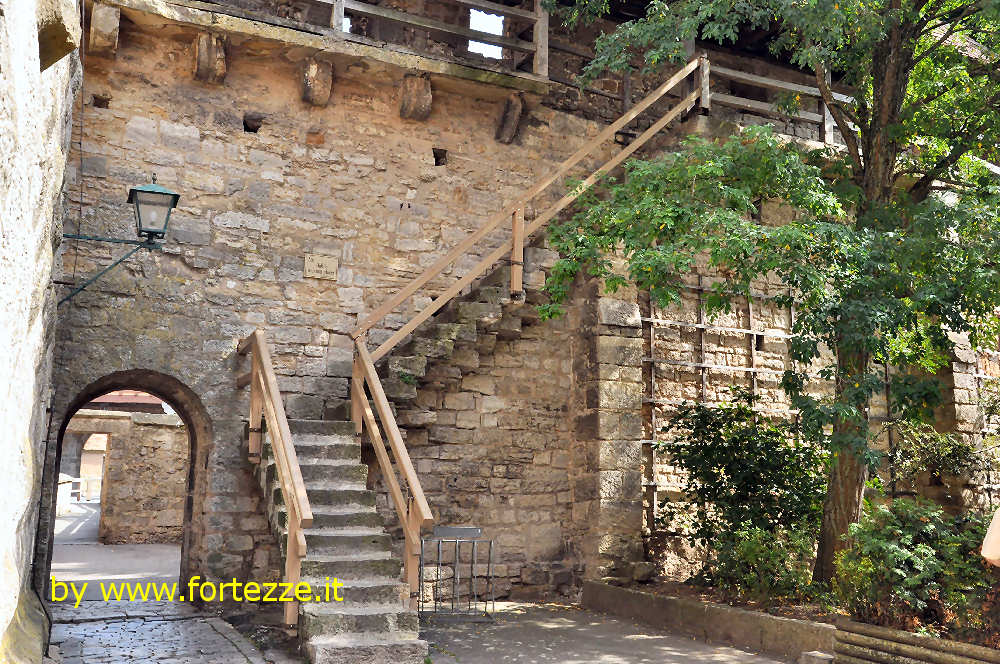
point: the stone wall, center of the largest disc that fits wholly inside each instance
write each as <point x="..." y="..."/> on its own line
<point x="144" y="475"/>
<point x="38" y="78"/>
<point x="376" y="197"/>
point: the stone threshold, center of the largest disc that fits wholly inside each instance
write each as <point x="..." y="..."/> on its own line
<point x="315" y="38"/>
<point x="787" y="639"/>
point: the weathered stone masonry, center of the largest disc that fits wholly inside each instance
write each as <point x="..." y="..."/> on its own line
<point x="352" y="183"/>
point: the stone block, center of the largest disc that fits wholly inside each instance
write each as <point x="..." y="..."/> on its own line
<point x="481" y="384"/>
<point x="104" y="21"/>
<point x="460" y="401"/>
<point x="317" y="81"/>
<point x="415" y="97"/>
<point x="623" y="351"/>
<point x="618" y="312"/>
<point x="59" y="30"/>
<point x="210" y="63"/>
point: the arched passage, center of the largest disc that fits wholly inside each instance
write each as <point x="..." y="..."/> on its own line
<point x="187" y="405"/>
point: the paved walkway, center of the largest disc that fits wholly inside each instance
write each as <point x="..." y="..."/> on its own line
<point x="561" y="634"/>
<point x="77" y="555"/>
<point x="145" y="633"/>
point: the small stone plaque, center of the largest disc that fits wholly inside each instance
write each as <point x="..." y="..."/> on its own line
<point x="321" y="267"/>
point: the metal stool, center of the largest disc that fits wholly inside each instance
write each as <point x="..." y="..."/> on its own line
<point x="447" y="539"/>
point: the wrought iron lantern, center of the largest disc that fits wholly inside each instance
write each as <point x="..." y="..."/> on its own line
<point x="153" y="205"/>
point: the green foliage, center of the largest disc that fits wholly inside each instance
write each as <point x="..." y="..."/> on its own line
<point x="911" y="566"/>
<point x="891" y="290"/>
<point x="762" y="564"/>
<point x="742" y="471"/>
<point x="407" y="378"/>
<point x="920" y="448"/>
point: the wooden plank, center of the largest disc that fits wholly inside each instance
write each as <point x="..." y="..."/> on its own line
<point x="706" y="93"/>
<point x="388" y="472"/>
<point x="773" y="83"/>
<point x="763" y="107"/>
<point x="496" y="8"/>
<point x="437" y="26"/>
<point x="671" y="115"/>
<point x="572" y="49"/>
<point x="434" y="270"/>
<point x="281" y="435"/>
<point x="337" y="15"/>
<point x="551" y="212"/>
<point x="517" y="252"/>
<point x="713" y="328"/>
<point x="293" y="569"/>
<point x="255" y="441"/>
<point x="541" y="38"/>
<point x="358" y="398"/>
<point x="392" y="433"/>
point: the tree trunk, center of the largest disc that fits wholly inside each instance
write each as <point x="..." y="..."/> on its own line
<point x="848" y="471"/>
<point x="842" y="507"/>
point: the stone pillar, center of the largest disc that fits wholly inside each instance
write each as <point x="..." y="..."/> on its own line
<point x="613" y="423"/>
<point x="72" y="450"/>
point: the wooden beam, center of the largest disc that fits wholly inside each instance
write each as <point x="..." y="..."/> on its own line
<point x="706" y="92"/>
<point x="385" y="463"/>
<point x="459" y="250"/>
<point x="495" y="8"/>
<point x="243" y="380"/>
<point x="517" y="252"/>
<point x="764" y="108"/>
<point x="540" y="66"/>
<point x="773" y="83"/>
<point x="436" y="26"/>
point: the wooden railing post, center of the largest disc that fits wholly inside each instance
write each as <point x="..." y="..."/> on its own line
<point x="706" y="93"/>
<point x="337" y="16"/>
<point x="358" y="398"/>
<point x="293" y="566"/>
<point x="826" y="128"/>
<point x="255" y="439"/>
<point x="517" y="254"/>
<point x="541" y="41"/>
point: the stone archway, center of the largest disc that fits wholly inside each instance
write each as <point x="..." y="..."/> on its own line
<point x="189" y="408"/>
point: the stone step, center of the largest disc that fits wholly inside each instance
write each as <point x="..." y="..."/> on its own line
<point x="413" y="365"/>
<point x="328" y="496"/>
<point x="347" y="516"/>
<point x="448" y="331"/>
<point x="345" y="448"/>
<point x="399" y="648"/>
<point x="481" y="312"/>
<point x="429" y="348"/>
<point x="321" y="427"/>
<point x="497" y="294"/>
<point x="331" y="469"/>
<point x="352" y="567"/>
<point x="341" y="541"/>
<point x="397" y="389"/>
<point x="508" y="327"/>
<point x="329" y="618"/>
<point x="364" y="591"/>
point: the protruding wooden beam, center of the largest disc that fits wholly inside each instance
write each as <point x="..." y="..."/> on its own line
<point x="317" y="81"/>
<point x="415" y="97"/>
<point x="210" y="63"/>
<point x="104" y="22"/>
<point x="510" y="118"/>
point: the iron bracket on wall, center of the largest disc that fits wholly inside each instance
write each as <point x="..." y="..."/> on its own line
<point x="148" y="243"/>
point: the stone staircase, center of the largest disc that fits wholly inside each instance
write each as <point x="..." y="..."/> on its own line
<point x="448" y="345"/>
<point x="374" y="624"/>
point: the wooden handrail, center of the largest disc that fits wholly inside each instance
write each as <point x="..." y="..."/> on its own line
<point x="414" y="513"/>
<point x="267" y="407"/>
<point x="500" y="217"/>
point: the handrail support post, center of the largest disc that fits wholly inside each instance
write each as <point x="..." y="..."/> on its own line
<point x="517" y="254"/>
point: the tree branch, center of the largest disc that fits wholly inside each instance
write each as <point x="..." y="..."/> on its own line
<point x="850" y="137"/>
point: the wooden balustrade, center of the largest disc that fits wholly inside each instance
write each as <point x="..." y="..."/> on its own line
<point x="267" y="408"/>
<point x="537" y="19"/>
<point x="414" y="513"/>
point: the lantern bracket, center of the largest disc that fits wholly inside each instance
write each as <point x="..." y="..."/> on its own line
<point x="139" y="244"/>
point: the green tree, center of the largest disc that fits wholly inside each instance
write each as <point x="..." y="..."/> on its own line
<point x="892" y="248"/>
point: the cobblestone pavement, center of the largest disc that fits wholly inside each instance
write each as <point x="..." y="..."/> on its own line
<point x="145" y="633"/>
